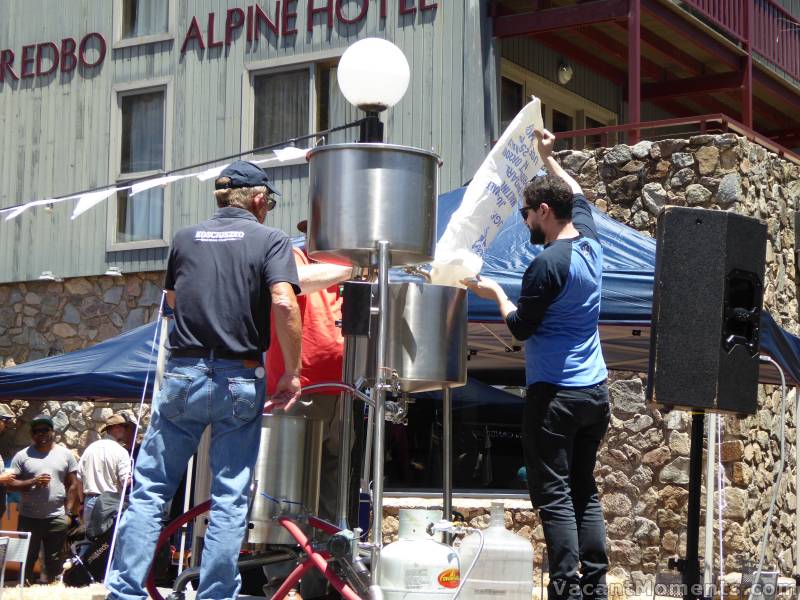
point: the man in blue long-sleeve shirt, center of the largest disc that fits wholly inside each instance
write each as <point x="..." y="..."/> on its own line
<point x="567" y="409"/>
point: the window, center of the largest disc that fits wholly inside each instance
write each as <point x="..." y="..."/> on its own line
<point x="593" y="141"/>
<point x="512" y="99"/>
<point x="281" y="106"/>
<point x="141" y="150"/>
<point x="562" y="110"/>
<point x="297" y="100"/>
<point x="487" y="448"/>
<point x="144" y="17"/>
<point x="139" y="22"/>
<point x="562" y="122"/>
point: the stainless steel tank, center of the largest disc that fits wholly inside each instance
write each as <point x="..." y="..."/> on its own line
<point x="287" y="469"/>
<point x="427" y="336"/>
<point x="363" y="193"/>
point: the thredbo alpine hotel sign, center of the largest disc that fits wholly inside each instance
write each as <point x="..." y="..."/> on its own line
<point x="277" y="19"/>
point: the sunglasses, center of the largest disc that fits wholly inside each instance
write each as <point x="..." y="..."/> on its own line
<point x="524" y="212"/>
<point x="40" y="431"/>
<point x="271" y="202"/>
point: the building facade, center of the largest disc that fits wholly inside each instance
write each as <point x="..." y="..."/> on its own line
<point x="99" y="93"/>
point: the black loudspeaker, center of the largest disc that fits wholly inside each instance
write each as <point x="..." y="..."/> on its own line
<point x="707" y="296"/>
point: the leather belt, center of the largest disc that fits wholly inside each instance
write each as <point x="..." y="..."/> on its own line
<point x="249" y="361"/>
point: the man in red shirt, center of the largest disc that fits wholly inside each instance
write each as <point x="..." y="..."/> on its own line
<point x="321" y="361"/>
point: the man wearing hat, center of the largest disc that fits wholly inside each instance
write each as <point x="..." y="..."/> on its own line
<point x="44" y="473"/>
<point x="223" y="276"/>
<point x="105" y="465"/>
<point x="6" y="415"/>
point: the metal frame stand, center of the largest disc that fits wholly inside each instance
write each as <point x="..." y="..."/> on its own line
<point x="379" y="398"/>
<point x="447" y="455"/>
<point x="690" y="566"/>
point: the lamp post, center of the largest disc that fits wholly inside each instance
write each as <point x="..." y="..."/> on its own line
<point x="373" y="75"/>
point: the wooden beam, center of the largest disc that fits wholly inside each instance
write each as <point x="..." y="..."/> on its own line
<point x="635" y="63"/>
<point x="579" y="55"/>
<point x="668" y="52"/>
<point x="692" y="86"/>
<point x="621" y="52"/>
<point x="747" y="64"/>
<point x="690" y="32"/>
<point x="555" y="19"/>
<point x="774" y="88"/>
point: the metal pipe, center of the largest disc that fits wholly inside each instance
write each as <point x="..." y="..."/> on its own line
<point x="187" y="494"/>
<point x="797" y="487"/>
<point x="161" y="361"/>
<point x="691" y="570"/>
<point x="379" y="395"/>
<point x="447" y="452"/>
<point x="366" y="469"/>
<point x="347" y="389"/>
<point x="708" y="555"/>
<point x="346" y="434"/>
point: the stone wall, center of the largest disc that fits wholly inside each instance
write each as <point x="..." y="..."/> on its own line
<point x="43" y="318"/>
<point x="644" y="461"/>
<point x="643" y="469"/>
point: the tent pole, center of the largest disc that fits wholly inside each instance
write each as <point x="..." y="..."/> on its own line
<point x="161" y="361"/>
<point x="796" y="483"/>
<point x="708" y="557"/>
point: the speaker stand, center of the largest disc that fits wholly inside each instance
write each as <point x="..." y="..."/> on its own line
<point x="690" y="566"/>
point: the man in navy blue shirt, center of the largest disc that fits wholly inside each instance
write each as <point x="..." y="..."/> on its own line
<point x="223" y="276"/>
<point x="567" y="409"/>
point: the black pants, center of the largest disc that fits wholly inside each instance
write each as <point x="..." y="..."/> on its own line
<point x="52" y="532"/>
<point x="562" y="431"/>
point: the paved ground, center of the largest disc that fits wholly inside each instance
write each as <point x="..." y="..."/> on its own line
<point x="59" y="592"/>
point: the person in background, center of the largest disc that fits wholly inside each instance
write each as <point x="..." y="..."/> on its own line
<point x="567" y="410"/>
<point x="105" y="465"/>
<point x="223" y="275"/>
<point x="320" y="305"/>
<point x="6" y="416"/>
<point x="45" y="474"/>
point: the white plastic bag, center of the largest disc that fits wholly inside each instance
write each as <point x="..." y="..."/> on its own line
<point x="491" y="197"/>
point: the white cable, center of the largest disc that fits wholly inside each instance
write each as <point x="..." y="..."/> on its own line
<point x="778" y="473"/>
<point x="135" y="434"/>
<point x="721" y="507"/>
<point x="445" y="526"/>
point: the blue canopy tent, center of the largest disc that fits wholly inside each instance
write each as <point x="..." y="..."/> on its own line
<point x="116" y="368"/>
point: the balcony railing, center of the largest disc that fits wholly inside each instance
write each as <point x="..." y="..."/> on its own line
<point x="775" y="32"/>
<point x="678" y="127"/>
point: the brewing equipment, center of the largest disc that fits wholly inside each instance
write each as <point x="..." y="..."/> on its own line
<point x="361" y="193"/>
<point x="427" y="332"/>
<point x="285" y="477"/>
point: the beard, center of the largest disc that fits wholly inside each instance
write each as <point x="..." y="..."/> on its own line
<point x="537" y="235"/>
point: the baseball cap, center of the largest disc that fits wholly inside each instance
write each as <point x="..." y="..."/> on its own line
<point x="6" y="412"/>
<point x="119" y="419"/>
<point x="244" y="174"/>
<point x="42" y="420"/>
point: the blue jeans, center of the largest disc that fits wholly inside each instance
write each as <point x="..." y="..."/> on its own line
<point x="562" y="432"/>
<point x="196" y="392"/>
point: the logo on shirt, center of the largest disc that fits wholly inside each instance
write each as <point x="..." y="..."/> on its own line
<point x="218" y="236"/>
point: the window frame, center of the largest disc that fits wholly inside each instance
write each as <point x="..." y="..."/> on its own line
<point x="254" y="69"/>
<point x="555" y="96"/>
<point x="119" y="91"/>
<point x="120" y="42"/>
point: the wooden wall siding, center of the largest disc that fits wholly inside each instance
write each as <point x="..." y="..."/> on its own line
<point x="543" y="61"/>
<point x="55" y="131"/>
